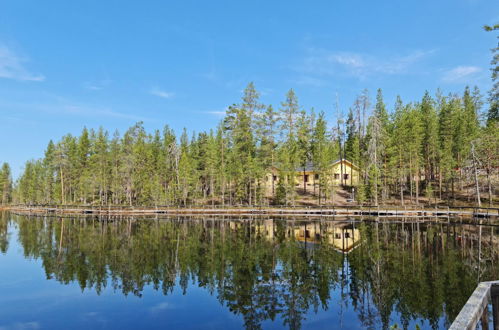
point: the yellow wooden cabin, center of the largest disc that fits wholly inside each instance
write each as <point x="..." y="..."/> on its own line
<point x="341" y="172"/>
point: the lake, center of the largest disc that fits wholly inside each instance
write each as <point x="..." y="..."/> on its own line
<point x="232" y="273"/>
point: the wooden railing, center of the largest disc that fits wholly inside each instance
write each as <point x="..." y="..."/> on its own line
<point x="476" y="308"/>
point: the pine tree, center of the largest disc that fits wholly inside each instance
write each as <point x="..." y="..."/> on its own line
<point x="242" y="156"/>
<point x="374" y="136"/>
<point x="320" y="157"/>
<point x="303" y="133"/>
<point x="267" y="131"/>
<point x="398" y="148"/>
<point x="117" y="159"/>
<point x="222" y="146"/>
<point x="352" y="143"/>
<point x="447" y="125"/>
<point x="377" y="137"/>
<point x="169" y="160"/>
<point x="185" y="170"/>
<point x="49" y="175"/>
<point x="251" y="103"/>
<point x="85" y="177"/>
<point x="493" y="113"/>
<point x="415" y="130"/>
<point x="289" y="155"/>
<point x="487" y="147"/>
<point x="5" y="184"/>
<point x="429" y="119"/>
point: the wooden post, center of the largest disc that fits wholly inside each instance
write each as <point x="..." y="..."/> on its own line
<point x="495" y="306"/>
<point x="484" y="320"/>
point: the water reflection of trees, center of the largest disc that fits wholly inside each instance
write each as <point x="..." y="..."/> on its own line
<point x="267" y="270"/>
<point x="420" y="270"/>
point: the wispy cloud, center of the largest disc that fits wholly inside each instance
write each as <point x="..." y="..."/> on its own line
<point x="216" y="113"/>
<point x="320" y="62"/>
<point x="21" y="326"/>
<point x="460" y="73"/>
<point x="160" y="307"/>
<point x="97" y="85"/>
<point x="96" y="111"/>
<point x="309" y="81"/>
<point x="11" y="67"/>
<point x="161" y="93"/>
<point x="53" y="105"/>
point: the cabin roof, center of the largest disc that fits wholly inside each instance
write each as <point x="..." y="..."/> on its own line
<point x="346" y="161"/>
<point x="309" y="166"/>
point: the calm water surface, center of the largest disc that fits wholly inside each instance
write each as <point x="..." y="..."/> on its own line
<point x="227" y="273"/>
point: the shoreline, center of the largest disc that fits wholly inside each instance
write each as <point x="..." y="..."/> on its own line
<point x="388" y="211"/>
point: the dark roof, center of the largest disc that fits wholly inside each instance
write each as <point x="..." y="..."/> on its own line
<point x="309" y="166"/>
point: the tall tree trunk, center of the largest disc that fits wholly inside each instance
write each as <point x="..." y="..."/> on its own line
<point x="62" y="186"/>
<point x="304" y="182"/>
<point x="341" y="169"/>
<point x="351" y="175"/>
<point x="376" y="178"/>
<point x="401" y="174"/>
<point x="417" y="186"/>
<point x="410" y="177"/>
<point x="475" y="170"/>
<point x="440" y="183"/>
<point x="489" y="184"/>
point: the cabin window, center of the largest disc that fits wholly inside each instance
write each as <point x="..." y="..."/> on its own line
<point x="345" y="176"/>
<point x="275" y="177"/>
<point x="347" y="235"/>
<point x="337" y="236"/>
<point x="336" y="176"/>
<point x="316" y="177"/>
<point x="305" y="178"/>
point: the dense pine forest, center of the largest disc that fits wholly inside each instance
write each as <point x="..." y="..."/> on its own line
<point x="439" y="149"/>
<point x="431" y="150"/>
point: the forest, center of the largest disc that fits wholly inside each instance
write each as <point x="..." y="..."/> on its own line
<point x="439" y="149"/>
<point x="427" y="151"/>
<point x="431" y="150"/>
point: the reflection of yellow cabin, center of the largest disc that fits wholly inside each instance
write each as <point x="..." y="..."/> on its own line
<point x="344" y="236"/>
<point x="340" y="172"/>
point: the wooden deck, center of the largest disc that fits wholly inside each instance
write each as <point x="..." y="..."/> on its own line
<point x="274" y="211"/>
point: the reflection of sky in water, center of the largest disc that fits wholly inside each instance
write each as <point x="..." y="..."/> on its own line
<point x="29" y="301"/>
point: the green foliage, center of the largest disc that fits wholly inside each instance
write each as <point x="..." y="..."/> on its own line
<point x="420" y="149"/>
<point x="280" y="195"/>
<point x="5" y="184"/>
<point x="493" y="113"/>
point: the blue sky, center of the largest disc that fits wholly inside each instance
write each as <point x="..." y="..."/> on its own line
<point x="68" y="64"/>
